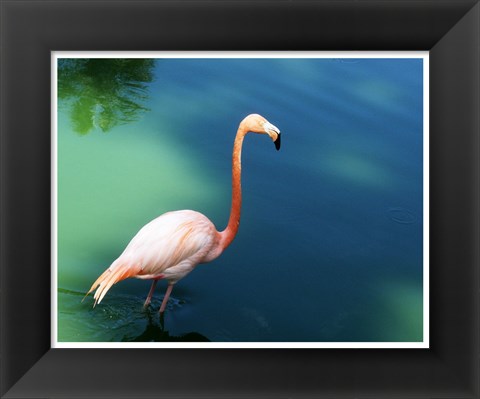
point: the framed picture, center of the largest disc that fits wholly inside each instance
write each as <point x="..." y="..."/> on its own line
<point x="355" y="269"/>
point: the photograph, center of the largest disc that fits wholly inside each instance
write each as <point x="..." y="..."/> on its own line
<point x="240" y="200"/>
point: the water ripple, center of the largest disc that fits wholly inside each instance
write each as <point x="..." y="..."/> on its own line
<point x="120" y="318"/>
<point x="402" y="215"/>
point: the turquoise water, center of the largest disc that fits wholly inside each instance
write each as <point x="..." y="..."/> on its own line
<point x="330" y="241"/>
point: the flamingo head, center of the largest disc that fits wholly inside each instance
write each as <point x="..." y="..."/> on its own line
<point x="258" y="124"/>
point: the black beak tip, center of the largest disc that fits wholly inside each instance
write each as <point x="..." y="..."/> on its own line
<point x="277" y="142"/>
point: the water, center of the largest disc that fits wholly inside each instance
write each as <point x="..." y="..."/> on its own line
<point x="330" y="242"/>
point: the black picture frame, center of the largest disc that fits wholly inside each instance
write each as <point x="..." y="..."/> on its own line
<point x="30" y="30"/>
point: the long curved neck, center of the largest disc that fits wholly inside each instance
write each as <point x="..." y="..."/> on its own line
<point x="234" y="221"/>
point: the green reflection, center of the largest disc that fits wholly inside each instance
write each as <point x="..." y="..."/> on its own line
<point x="401" y="316"/>
<point x="122" y="319"/>
<point x="377" y="93"/>
<point x="406" y="302"/>
<point x="126" y="182"/>
<point x="103" y="93"/>
<point x="358" y="169"/>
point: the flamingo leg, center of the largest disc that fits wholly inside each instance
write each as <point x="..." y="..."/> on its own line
<point x="150" y="293"/>
<point x="165" y="298"/>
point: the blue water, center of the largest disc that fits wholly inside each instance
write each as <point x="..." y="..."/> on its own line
<point x="330" y="241"/>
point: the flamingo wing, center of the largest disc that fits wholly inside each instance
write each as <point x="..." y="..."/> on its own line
<point x="175" y="240"/>
<point x="169" y="240"/>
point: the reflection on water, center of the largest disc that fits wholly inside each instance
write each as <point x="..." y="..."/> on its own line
<point x="155" y="332"/>
<point x="123" y="319"/>
<point x="103" y="93"/>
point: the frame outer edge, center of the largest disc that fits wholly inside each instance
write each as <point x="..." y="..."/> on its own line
<point x="7" y="379"/>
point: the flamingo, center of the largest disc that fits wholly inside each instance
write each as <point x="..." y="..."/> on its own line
<point x="172" y="245"/>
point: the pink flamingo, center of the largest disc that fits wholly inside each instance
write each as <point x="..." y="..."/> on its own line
<point x="170" y="246"/>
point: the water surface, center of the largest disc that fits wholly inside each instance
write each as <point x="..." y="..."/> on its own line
<point x="330" y="242"/>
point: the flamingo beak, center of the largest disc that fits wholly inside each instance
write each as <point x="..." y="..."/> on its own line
<point x="277" y="141"/>
<point x="274" y="131"/>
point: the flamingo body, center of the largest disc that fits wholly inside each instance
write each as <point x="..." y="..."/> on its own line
<point x="170" y="246"/>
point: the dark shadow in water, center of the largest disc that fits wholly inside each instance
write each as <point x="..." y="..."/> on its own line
<point x="155" y="332"/>
<point x="103" y="93"/>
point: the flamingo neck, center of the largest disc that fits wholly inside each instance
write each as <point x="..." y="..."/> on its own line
<point x="234" y="221"/>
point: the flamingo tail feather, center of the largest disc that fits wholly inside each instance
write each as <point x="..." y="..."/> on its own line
<point x="117" y="272"/>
